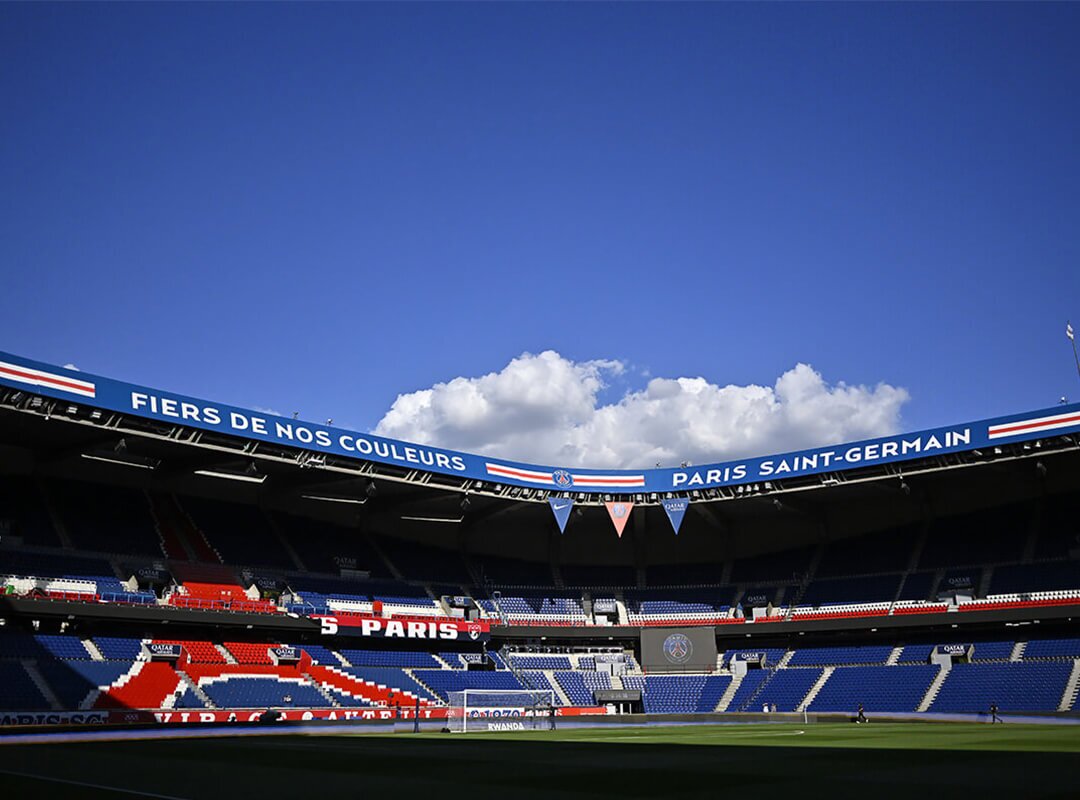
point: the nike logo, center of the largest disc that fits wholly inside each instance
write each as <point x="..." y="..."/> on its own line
<point x="560" y="508"/>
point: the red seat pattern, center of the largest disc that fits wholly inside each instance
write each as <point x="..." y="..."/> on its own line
<point x="148" y="685"/>
<point x="198" y="652"/>
<point x="248" y="653"/>
<point x="366" y="690"/>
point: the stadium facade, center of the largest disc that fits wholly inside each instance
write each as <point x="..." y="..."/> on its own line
<point x="175" y="559"/>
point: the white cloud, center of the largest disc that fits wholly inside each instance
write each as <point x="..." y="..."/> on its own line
<point x="544" y="409"/>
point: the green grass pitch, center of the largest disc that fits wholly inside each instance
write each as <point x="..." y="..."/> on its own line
<point x="801" y="761"/>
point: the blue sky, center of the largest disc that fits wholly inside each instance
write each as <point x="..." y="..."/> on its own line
<point x="321" y="207"/>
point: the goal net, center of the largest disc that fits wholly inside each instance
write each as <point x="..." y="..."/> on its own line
<point x="500" y="710"/>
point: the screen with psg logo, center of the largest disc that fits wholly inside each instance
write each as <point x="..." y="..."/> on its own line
<point x="678" y="649"/>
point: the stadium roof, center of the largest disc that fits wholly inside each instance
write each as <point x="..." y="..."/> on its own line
<point x="252" y="435"/>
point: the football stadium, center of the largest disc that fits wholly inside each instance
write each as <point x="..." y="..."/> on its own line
<point x="189" y="585"/>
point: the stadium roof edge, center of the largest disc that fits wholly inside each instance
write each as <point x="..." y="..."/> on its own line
<point x="840" y="463"/>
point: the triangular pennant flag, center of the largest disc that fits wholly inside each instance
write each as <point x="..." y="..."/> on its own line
<point x="620" y="513"/>
<point x="560" y="507"/>
<point x="676" y="510"/>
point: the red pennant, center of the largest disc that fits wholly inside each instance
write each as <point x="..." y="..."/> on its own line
<point x="620" y="513"/>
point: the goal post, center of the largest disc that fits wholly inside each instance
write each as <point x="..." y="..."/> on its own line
<point x="500" y="710"/>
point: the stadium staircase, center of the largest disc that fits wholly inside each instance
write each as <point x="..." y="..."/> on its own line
<point x="1072" y="688"/>
<point x="894" y="657"/>
<point x="173" y="545"/>
<point x="750" y="702"/>
<point x="321" y="689"/>
<point x="169" y="513"/>
<point x="54" y="517"/>
<point x="290" y="551"/>
<point x="935" y="584"/>
<point x="729" y="693"/>
<point x="42" y="685"/>
<point x="620" y="607"/>
<point x="92" y="649"/>
<point x="560" y="693"/>
<point x="195" y="689"/>
<point x="935" y="687"/>
<point x="586" y="606"/>
<point x="806" y="701"/>
<point x="1018" y="651"/>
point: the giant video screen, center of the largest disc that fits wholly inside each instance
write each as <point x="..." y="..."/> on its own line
<point x="678" y="649"/>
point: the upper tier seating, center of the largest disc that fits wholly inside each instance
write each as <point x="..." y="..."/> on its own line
<point x="987" y="536"/>
<point x="67" y="577"/>
<point x="327" y="548"/>
<point x="871" y="589"/>
<point x="1026" y="578"/>
<point x="592" y="576"/>
<point x="677" y="605"/>
<point x="546" y="609"/>
<point x="511" y="572"/>
<point x="886" y="551"/>
<point x="240" y="534"/>
<point x="215" y="587"/>
<point x="23" y="512"/>
<point x="783" y="566"/>
<point x="417" y="561"/>
<point x="682" y="575"/>
<point x="106" y="518"/>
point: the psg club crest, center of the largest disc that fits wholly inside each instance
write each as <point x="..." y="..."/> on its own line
<point x="562" y="479"/>
<point x="678" y="648"/>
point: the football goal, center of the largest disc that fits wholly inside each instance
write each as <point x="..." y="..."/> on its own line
<point x="500" y="710"/>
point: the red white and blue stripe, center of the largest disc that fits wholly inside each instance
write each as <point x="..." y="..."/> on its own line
<point x="51" y="380"/>
<point x="542" y="478"/>
<point x="1033" y="425"/>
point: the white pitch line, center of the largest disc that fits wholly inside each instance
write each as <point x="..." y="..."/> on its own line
<point x="91" y="785"/>
<point x="653" y="736"/>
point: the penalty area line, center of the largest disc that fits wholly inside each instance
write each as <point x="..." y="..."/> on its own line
<point x="88" y="785"/>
